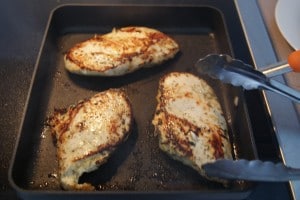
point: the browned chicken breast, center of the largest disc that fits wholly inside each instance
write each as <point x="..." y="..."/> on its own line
<point x="86" y="134"/>
<point x="120" y="52"/>
<point x="189" y="121"/>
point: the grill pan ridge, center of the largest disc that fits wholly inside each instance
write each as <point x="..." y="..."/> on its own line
<point x="138" y="168"/>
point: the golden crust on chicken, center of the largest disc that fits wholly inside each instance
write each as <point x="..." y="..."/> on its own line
<point x="120" y="52"/>
<point x="189" y="121"/>
<point x="88" y="133"/>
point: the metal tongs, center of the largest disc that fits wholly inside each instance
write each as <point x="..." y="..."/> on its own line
<point x="237" y="73"/>
<point x="254" y="170"/>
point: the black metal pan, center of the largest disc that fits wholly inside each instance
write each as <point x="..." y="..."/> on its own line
<point x="138" y="169"/>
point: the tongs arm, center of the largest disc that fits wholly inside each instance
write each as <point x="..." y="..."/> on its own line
<point x="284" y="90"/>
<point x="276" y="69"/>
<point x="254" y="170"/>
<point x="237" y="73"/>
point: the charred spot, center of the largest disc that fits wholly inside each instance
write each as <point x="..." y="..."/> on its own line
<point x="97" y="37"/>
<point x="188" y="94"/>
<point x="224" y="136"/>
<point x="98" y="162"/>
<point x="192" y="143"/>
<point x="184" y="147"/>
<point x="159" y="122"/>
<point x="123" y="121"/>
<point x="198" y="131"/>
<point x="62" y="129"/>
<point x="198" y="102"/>
<point x="54" y="138"/>
<point x="209" y="105"/>
<point x="157" y="112"/>
<point x="114" y="126"/>
<point x="216" y="143"/>
<point x="60" y="111"/>
<point x="96" y="53"/>
<point x="157" y="36"/>
<point x="131" y="29"/>
<point x="129" y="56"/>
<point x="80" y="126"/>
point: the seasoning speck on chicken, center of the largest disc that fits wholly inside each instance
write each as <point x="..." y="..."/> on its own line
<point x="189" y="121"/>
<point x="120" y="52"/>
<point x="88" y="133"/>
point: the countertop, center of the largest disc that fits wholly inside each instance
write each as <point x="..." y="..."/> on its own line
<point x="22" y="27"/>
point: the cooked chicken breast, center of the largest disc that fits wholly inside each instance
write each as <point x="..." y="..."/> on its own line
<point x="189" y="121"/>
<point x="86" y="134"/>
<point x="120" y="52"/>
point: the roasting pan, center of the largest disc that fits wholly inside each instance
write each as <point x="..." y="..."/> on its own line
<point x="138" y="169"/>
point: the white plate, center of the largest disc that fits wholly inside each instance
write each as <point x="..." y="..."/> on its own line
<point x="287" y="15"/>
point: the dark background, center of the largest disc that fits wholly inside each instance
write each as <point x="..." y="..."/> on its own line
<point x="22" y="25"/>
